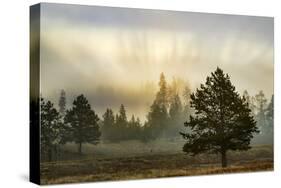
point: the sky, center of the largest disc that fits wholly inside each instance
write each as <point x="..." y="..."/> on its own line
<point x="115" y="55"/>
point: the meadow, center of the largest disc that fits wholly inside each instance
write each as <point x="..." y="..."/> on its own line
<point x="137" y="160"/>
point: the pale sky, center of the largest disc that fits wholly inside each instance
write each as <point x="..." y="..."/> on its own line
<point x="115" y="55"/>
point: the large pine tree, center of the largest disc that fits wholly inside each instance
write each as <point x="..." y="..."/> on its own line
<point x="50" y="128"/>
<point x="162" y="94"/>
<point x="222" y="119"/>
<point x="82" y="122"/>
<point x="158" y="114"/>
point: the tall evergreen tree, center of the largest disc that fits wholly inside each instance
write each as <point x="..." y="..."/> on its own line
<point x="176" y="116"/>
<point x="122" y="118"/>
<point x="162" y="94"/>
<point x="270" y="108"/>
<point x="82" y="122"/>
<point x="62" y="110"/>
<point x="62" y="103"/>
<point x="261" y="103"/>
<point x="222" y="119"/>
<point x="270" y="116"/>
<point x="158" y="114"/>
<point x="157" y="120"/>
<point x="108" y="124"/>
<point x="134" y="128"/>
<point x="50" y="128"/>
<point x="121" y="124"/>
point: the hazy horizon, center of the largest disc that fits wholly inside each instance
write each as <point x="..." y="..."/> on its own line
<point x="115" y="55"/>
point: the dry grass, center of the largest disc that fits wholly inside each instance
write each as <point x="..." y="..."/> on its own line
<point x="158" y="173"/>
<point x="153" y="166"/>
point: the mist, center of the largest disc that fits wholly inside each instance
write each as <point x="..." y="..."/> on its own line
<point x="116" y="61"/>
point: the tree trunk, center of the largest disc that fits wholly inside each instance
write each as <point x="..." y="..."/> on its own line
<point x="55" y="152"/>
<point x="223" y="159"/>
<point x="80" y="148"/>
<point x="49" y="154"/>
<point x="58" y="151"/>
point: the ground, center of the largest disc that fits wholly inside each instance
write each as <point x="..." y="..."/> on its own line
<point x="132" y="160"/>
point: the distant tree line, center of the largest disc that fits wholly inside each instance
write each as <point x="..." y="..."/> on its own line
<point x="80" y="124"/>
<point x="263" y="112"/>
<point x="204" y="112"/>
<point x="118" y="127"/>
<point x="164" y="119"/>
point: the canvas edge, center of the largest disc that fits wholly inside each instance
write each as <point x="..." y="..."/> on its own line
<point x="34" y="95"/>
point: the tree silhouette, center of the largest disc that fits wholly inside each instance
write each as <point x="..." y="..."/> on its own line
<point x="50" y="128"/>
<point x="134" y="128"/>
<point x="108" y="125"/>
<point x="121" y="124"/>
<point x="162" y="94"/>
<point x="222" y="119"/>
<point x="62" y="102"/>
<point x="62" y="108"/>
<point x="157" y="120"/>
<point x="158" y="114"/>
<point x="270" y="115"/>
<point x="82" y="122"/>
<point x="251" y="102"/>
<point x="122" y="118"/>
<point x="176" y="116"/>
<point x="261" y="103"/>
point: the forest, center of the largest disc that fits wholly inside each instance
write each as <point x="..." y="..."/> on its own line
<point x="213" y="122"/>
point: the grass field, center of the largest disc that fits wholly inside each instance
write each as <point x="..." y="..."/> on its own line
<point x="147" y="162"/>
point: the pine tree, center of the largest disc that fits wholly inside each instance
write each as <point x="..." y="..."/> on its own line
<point x="270" y="108"/>
<point x="162" y="95"/>
<point x="270" y="116"/>
<point x="122" y="118"/>
<point x="146" y="132"/>
<point x="157" y="120"/>
<point x="176" y="116"/>
<point x="251" y="102"/>
<point x="82" y="122"/>
<point x="261" y="103"/>
<point x="158" y="114"/>
<point x="138" y="122"/>
<point x="135" y="128"/>
<point x="121" y="124"/>
<point x="222" y="119"/>
<point x="108" y="125"/>
<point x="62" y="103"/>
<point x="50" y="128"/>
<point x="62" y="109"/>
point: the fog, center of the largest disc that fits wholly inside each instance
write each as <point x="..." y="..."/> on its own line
<point x="115" y="56"/>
